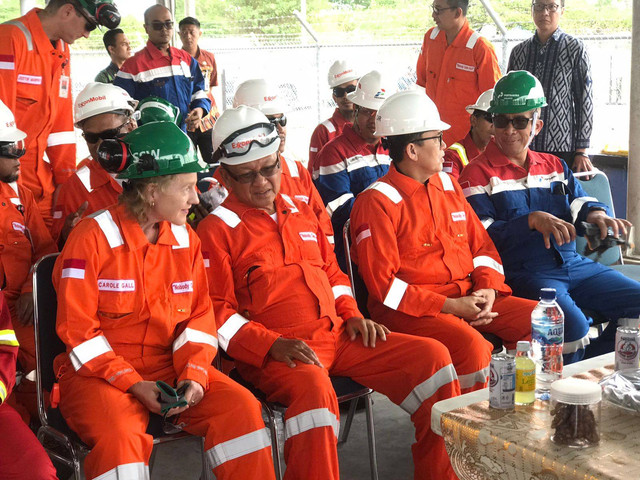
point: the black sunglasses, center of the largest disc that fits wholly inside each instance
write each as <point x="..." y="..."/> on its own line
<point x="519" y="123"/>
<point x="486" y="115"/>
<point x="282" y="121"/>
<point x="160" y="25"/>
<point x="90" y="25"/>
<point x="112" y="133"/>
<point x="340" y="92"/>
<point x="250" y="177"/>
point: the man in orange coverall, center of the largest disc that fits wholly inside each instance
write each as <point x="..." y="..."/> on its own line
<point x="427" y="261"/>
<point x="134" y="308"/>
<point x="102" y="111"/>
<point x="21" y="457"/>
<point x="35" y="84"/>
<point x="455" y="65"/>
<point x="24" y="238"/>
<point x="286" y="315"/>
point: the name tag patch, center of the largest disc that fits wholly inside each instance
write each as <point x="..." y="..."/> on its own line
<point x="458" y="216"/>
<point x="466" y="68"/>
<point x="18" y="226"/>
<point x="302" y="198"/>
<point x="182" y="287"/>
<point x="30" y="79"/>
<point x="309" y="237"/>
<point x="116" y="285"/>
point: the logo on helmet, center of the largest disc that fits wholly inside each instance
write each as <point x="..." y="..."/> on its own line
<point x="380" y="94"/>
<point x="92" y="99"/>
<point x="342" y="74"/>
<point x="270" y="98"/>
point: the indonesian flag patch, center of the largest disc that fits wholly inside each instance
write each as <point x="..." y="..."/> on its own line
<point x="205" y="258"/>
<point x="73" y="268"/>
<point x="362" y="232"/>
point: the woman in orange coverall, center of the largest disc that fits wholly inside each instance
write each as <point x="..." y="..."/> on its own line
<point x="133" y="308"/>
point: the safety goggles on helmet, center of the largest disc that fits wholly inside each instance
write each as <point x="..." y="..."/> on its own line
<point x="116" y="132"/>
<point x="340" y="92"/>
<point x="519" y="122"/>
<point x="241" y="141"/>
<point x="12" y="150"/>
<point x="250" y="177"/>
<point x="282" y="121"/>
<point x="157" y="25"/>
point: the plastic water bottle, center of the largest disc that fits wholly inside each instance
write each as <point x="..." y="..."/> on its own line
<point x="547" y="339"/>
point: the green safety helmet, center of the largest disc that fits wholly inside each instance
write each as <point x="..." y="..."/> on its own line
<point x="152" y="150"/>
<point x="156" y="109"/>
<point x="518" y="91"/>
<point x="101" y="12"/>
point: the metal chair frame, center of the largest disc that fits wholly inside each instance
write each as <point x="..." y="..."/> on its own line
<point x="44" y="313"/>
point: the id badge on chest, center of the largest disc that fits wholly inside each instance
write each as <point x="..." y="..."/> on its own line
<point x="65" y="85"/>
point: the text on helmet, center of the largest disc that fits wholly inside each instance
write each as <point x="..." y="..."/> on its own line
<point x="92" y="99"/>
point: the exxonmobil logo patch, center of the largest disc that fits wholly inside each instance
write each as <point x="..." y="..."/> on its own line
<point x="92" y="99"/>
<point x="270" y="98"/>
<point x="244" y="143"/>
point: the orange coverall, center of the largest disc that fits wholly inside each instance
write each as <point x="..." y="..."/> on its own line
<point x="270" y="279"/>
<point x="297" y="183"/>
<point x="415" y="246"/>
<point x="455" y="75"/>
<point x="129" y="311"/>
<point x="35" y="84"/>
<point x="323" y="133"/>
<point x="458" y="156"/>
<point x="90" y="183"/>
<point x="21" y="455"/>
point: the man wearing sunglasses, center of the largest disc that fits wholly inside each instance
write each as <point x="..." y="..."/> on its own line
<point x="342" y="80"/>
<point x="353" y="160"/>
<point x="24" y="239"/>
<point x="561" y="63"/>
<point x="35" y="84"/>
<point x="160" y="70"/>
<point x="101" y="111"/>
<point x="286" y="315"/>
<point x="532" y="207"/>
<point x="458" y="155"/>
<point x="455" y="65"/>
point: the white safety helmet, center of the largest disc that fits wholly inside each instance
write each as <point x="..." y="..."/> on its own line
<point x="483" y="103"/>
<point x="242" y="135"/>
<point x="8" y="130"/>
<point x="97" y="98"/>
<point x="410" y="111"/>
<point x="258" y="93"/>
<point x="369" y="91"/>
<point x="341" y="72"/>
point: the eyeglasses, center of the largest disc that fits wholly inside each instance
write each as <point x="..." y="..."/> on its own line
<point x="367" y="112"/>
<point x="519" y="123"/>
<point x="160" y="25"/>
<point x="113" y="133"/>
<point x="282" y="121"/>
<point x="437" y="11"/>
<point x="250" y="177"/>
<point x="91" y="25"/>
<point x="486" y="115"/>
<point x="541" y="7"/>
<point x="439" y="137"/>
<point x="340" y="92"/>
<point x="13" y="149"/>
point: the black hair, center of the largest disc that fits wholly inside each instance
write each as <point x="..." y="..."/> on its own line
<point x="397" y="143"/>
<point x="462" y="4"/>
<point x="109" y="38"/>
<point x="189" y="21"/>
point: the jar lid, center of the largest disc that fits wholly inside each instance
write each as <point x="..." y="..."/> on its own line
<point x="576" y="391"/>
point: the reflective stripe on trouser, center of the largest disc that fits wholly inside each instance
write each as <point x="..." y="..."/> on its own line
<point x="469" y="351"/>
<point x="113" y="424"/>
<point x="412" y="372"/>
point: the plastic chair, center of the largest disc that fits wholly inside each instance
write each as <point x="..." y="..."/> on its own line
<point x="54" y="431"/>
<point x="361" y="294"/>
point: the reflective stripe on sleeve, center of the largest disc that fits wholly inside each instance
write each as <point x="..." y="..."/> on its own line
<point x="328" y="124"/>
<point x="577" y="205"/>
<point x="426" y="389"/>
<point x="447" y="184"/>
<point x="317" y="418"/>
<point x="198" y="95"/>
<point x="61" y="138"/>
<point x="387" y="190"/>
<point x="227" y="331"/>
<point x="470" y="379"/>
<point x="340" y="290"/>
<point x="89" y="350"/>
<point x="109" y="228"/>
<point x="395" y="293"/>
<point x="130" y="471"/>
<point x="462" y="153"/>
<point x="8" y="337"/>
<point x="486" y="223"/>
<point x="3" y="391"/>
<point x="238" y="447"/>
<point x="334" y="205"/>
<point x="84" y="175"/>
<point x="194" y="336"/>
<point x="484" y="261"/>
<point x="472" y="40"/>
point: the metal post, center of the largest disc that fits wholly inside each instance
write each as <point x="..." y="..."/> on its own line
<point x="633" y="194"/>
<point x="26" y="5"/>
<point x="190" y="8"/>
<point x="498" y="21"/>
<point x="223" y="84"/>
<point x="313" y="34"/>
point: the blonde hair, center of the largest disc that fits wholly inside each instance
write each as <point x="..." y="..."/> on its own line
<point x="134" y="195"/>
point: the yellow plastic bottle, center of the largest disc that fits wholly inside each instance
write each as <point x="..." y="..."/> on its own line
<point x="525" y="375"/>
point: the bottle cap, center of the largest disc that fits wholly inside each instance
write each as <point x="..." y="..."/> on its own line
<point x="523" y="346"/>
<point x="547" y="294"/>
<point x="575" y="391"/>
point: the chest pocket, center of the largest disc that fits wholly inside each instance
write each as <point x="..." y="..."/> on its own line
<point x="117" y="302"/>
<point x="180" y="299"/>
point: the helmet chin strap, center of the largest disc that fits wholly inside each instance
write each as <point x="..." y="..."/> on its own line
<point x="534" y="120"/>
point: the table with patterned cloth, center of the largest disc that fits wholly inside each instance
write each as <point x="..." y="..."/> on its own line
<point x="485" y="443"/>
